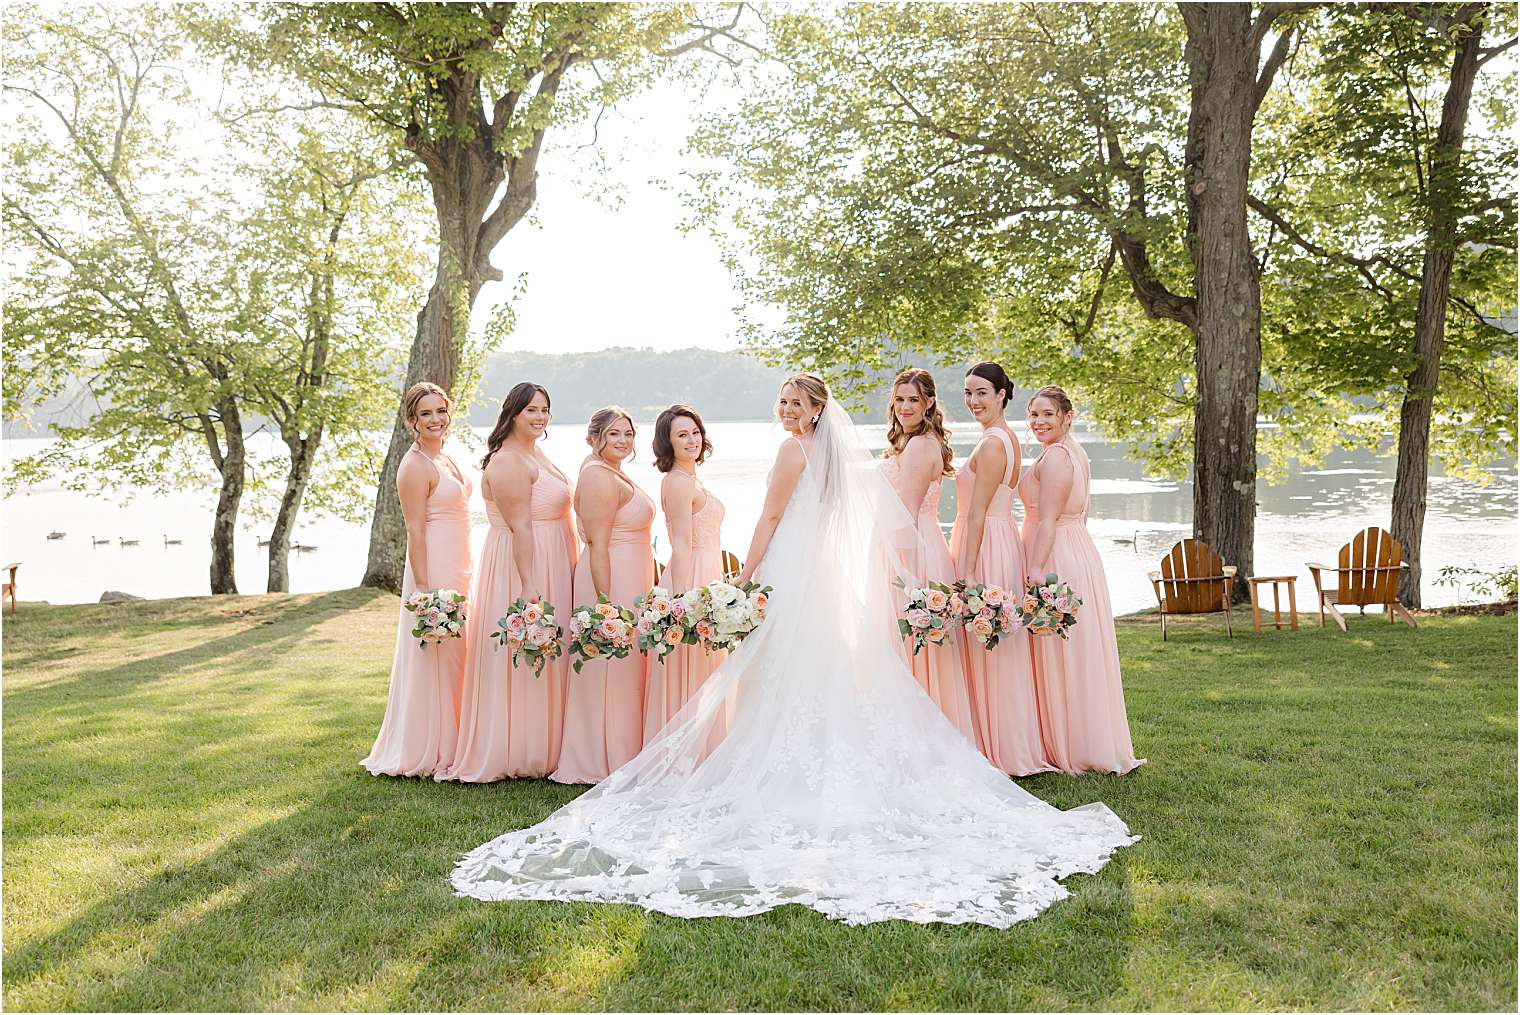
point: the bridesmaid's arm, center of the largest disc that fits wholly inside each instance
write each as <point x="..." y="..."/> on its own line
<point x="512" y="492"/>
<point x="414" y="484"/>
<point x="1055" y="486"/>
<point x="678" y="492"/>
<point x="917" y="466"/>
<point x="596" y="503"/>
<point x="991" y="462"/>
<point x="790" y="462"/>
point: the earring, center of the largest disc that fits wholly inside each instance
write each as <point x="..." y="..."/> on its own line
<point x="815" y="418"/>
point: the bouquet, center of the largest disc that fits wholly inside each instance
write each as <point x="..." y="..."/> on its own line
<point x="729" y="612"/>
<point x="928" y="614"/>
<point x="531" y="632"/>
<point x="1049" y="606"/>
<point x="600" y="631"/>
<point x="987" y="612"/>
<point x="660" y="621"/>
<point x="440" y="615"/>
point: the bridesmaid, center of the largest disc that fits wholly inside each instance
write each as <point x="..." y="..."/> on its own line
<point x="1082" y="713"/>
<point x="918" y="457"/>
<point x="604" y="713"/>
<point x="987" y="549"/>
<point x="693" y="520"/>
<point x="511" y="719"/>
<point x="419" y="733"/>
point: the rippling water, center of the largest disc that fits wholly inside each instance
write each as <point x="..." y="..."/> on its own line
<point x="1135" y="520"/>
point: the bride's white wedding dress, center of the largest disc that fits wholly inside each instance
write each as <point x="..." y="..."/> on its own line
<point x="811" y="767"/>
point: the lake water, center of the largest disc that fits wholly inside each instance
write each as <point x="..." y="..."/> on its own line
<point x="1134" y="520"/>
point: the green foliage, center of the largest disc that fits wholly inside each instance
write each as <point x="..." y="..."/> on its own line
<point x="951" y="181"/>
<point x="1345" y="167"/>
<point x="174" y="265"/>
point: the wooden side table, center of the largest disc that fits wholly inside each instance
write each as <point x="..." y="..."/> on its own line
<point x="1278" y="581"/>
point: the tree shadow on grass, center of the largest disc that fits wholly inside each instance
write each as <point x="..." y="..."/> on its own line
<point x="275" y="625"/>
<point x="345" y="903"/>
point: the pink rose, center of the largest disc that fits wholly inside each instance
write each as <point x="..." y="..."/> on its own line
<point x="1063" y="605"/>
<point x="919" y="618"/>
<point x="985" y="613"/>
<point x="533" y="613"/>
<point x="539" y="637"/>
<point x="608" y="628"/>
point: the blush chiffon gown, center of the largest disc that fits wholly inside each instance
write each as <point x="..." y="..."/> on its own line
<point x="939" y="669"/>
<point x="1002" y="679"/>
<point x="604" y="709"/>
<point x="1081" y="696"/>
<point x="419" y="734"/>
<point x="686" y="669"/>
<point x="511" y="720"/>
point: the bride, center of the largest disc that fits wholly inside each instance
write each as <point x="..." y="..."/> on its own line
<point x="811" y="767"/>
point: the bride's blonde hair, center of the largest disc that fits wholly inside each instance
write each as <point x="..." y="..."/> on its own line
<point x="813" y="388"/>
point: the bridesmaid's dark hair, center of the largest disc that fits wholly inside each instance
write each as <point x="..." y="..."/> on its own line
<point x="664" y="450"/>
<point x="933" y="422"/>
<point x="516" y="401"/>
<point x="994" y="375"/>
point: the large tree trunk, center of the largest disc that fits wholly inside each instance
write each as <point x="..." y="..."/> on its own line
<point x="303" y="453"/>
<point x="1412" y="476"/>
<point x="230" y="461"/>
<point x="441" y="328"/>
<point x="1222" y="54"/>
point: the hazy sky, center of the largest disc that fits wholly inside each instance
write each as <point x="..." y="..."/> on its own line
<point x="613" y="268"/>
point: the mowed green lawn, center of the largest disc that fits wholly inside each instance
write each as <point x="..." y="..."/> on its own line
<point x="1328" y="822"/>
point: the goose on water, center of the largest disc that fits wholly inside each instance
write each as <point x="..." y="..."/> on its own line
<point x="99" y="542"/>
<point x="172" y="542"/>
<point x="128" y="542"/>
<point x="55" y="534"/>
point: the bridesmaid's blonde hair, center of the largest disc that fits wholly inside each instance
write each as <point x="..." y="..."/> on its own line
<point x="601" y="419"/>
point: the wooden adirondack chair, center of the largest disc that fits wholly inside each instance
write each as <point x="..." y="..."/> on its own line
<point x="8" y="586"/>
<point x="1367" y="575"/>
<point x="1193" y="579"/>
<point x="731" y="567"/>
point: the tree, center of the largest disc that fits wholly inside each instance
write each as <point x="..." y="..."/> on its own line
<point x="470" y="91"/>
<point x="931" y="176"/>
<point x="344" y="270"/>
<point x="123" y="282"/>
<point x="1402" y="253"/>
<point x="192" y="317"/>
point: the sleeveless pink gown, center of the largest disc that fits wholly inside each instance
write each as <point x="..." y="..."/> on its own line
<point x="688" y="667"/>
<point x="604" y="710"/>
<point x="940" y="669"/>
<point x="1082" y="715"/>
<point x="510" y="720"/>
<point x="420" y="731"/>
<point x="1002" y="680"/>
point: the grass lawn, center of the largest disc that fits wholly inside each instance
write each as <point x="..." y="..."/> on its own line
<point x="1328" y="822"/>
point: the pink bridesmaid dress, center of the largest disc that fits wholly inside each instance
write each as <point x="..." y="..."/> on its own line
<point x="1082" y="715"/>
<point x="1002" y="680"/>
<point x="604" y="710"/>
<point x="940" y="669"/>
<point x="511" y="720"/>
<point x="688" y="667"/>
<point x="420" y="731"/>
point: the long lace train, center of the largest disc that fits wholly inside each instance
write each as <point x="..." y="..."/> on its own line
<point x="811" y="767"/>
